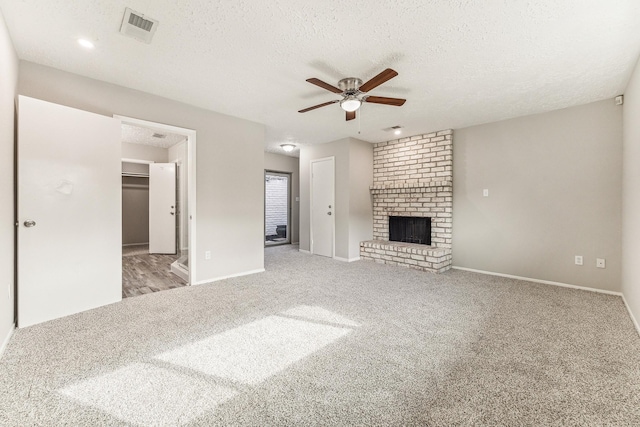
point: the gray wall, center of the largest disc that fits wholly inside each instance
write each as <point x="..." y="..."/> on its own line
<point x="282" y="163"/>
<point x="360" y="200"/>
<point x="8" y="84"/>
<point x="353" y="210"/>
<point x="230" y="161"/>
<point x="554" y="184"/>
<point x="631" y="195"/>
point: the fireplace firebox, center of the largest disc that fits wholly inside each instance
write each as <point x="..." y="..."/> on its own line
<point x="410" y="229"/>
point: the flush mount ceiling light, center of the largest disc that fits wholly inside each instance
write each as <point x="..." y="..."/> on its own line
<point x="87" y="44"/>
<point x="288" y="147"/>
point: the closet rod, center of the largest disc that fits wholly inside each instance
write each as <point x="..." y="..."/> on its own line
<point x="135" y="175"/>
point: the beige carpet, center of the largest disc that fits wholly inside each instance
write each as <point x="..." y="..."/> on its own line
<point x="314" y="341"/>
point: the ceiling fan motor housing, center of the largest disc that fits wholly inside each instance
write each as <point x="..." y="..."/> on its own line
<point x="350" y="85"/>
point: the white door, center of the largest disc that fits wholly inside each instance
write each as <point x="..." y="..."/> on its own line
<point x="322" y="207"/>
<point x="69" y="211"/>
<point x="162" y="208"/>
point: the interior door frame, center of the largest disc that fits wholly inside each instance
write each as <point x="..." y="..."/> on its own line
<point x="289" y="176"/>
<point x="333" y="192"/>
<point x="191" y="179"/>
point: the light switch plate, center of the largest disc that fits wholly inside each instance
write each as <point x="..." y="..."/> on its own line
<point x="485" y="192"/>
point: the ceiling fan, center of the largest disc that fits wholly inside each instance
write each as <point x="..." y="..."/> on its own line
<point x="354" y="93"/>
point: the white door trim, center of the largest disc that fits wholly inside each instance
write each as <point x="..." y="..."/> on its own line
<point x="333" y="198"/>
<point x="191" y="184"/>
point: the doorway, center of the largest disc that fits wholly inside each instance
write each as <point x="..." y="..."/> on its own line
<point x="277" y="208"/>
<point x="322" y="207"/>
<point x="158" y="208"/>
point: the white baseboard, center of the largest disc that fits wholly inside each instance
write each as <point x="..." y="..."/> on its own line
<point x="230" y="276"/>
<point x="346" y="259"/>
<point x="304" y="252"/>
<point x="633" y="318"/>
<point x="6" y="340"/>
<point x="546" y="282"/>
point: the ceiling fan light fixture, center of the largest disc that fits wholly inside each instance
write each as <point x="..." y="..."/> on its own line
<point x="350" y="103"/>
<point x="288" y="147"/>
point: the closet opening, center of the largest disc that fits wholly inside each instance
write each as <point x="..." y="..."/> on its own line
<point x="157" y="213"/>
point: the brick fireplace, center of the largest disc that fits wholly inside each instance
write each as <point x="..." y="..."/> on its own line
<point x="413" y="177"/>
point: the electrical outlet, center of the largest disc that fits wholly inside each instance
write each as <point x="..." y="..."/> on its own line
<point x="485" y="192"/>
<point x="600" y="263"/>
<point x="578" y="259"/>
<point x="207" y="255"/>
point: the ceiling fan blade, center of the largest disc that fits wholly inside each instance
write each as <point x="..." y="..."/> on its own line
<point x="386" y="101"/>
<point x="324" y="85"/>
<point x="318" y="106"/>
<point x="387" y="74"/>
<point x="351" y="115"/>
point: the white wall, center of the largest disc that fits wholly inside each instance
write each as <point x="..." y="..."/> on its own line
<point x="631" y="196"/>
<point x="8" y="87"/>
<point x="353" y="177"/>
<point x="281" y="163"/>
<point x="554" y="184"/>
<point x="230" y="162"/>
<point x="145" y="152"/>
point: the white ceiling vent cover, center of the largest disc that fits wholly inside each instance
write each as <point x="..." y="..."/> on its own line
<point x="138" y="26"/>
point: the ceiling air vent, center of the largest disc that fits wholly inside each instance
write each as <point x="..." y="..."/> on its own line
<point x="138" y="26"/>
<point x="159" y="135"/>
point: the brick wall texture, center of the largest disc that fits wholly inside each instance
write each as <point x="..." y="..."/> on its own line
<point x="413" y="177"/>
<point x="275" y="209"/>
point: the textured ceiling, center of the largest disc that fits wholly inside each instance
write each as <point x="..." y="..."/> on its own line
<point x="460" y="62"/>
<point x="139" y="135"/>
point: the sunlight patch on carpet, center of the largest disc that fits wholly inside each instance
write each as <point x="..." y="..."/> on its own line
<point x="144" y="394"/>
<point x="252" y="353"/>
<point x="319" y="313"/>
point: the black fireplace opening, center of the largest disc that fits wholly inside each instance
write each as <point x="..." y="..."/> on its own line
<point x="410" y="229"/>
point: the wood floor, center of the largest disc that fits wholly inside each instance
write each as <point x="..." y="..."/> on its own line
<point x="143" y="273"/>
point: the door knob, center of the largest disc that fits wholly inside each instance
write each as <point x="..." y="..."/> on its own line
<point x="328" y="213"/>
<point x="29" y="223"/>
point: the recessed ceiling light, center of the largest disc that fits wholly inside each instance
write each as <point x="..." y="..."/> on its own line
<point x="288" y="147"/>
<point x="397" y="131"/>
<point x="86" y="43"/>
